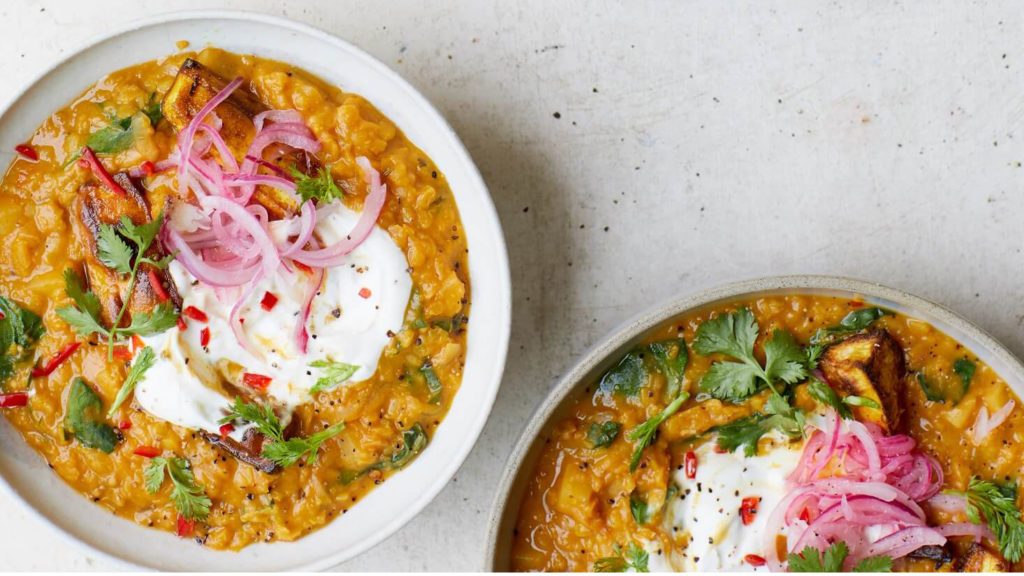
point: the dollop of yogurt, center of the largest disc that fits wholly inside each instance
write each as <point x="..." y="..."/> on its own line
<point x="359" y="306"/>
<point x="707" y="507"/>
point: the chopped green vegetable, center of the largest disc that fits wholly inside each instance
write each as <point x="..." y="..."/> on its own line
<point x="414" y="440"/>
<point x="965" y="369"/>
<point x="333" y="374"/>
<point x="671" y="358"/>
<point x="861" y="401"/>
<point x="433" y="382"/>
<point x="995" y="504"/>
<point x="321" y="187"/>
<point x="84" y="418"/>
<point x="154" y="110"/>
<point x="853" y="322"/>
<point x="744" y="432"/>
<point x="114" y="252"/>
<point x="644" y="434"/>
<point x="259" y="415"/>
<point x="930" y="388"/>
<point x="625" y="378"/>
<point x="826" y="395"/>
<point x="602" y="434"/>
<point x="734" y="335"/>
<point x="635" y="557"/>
<point x="638" y="507"/>
<point x="812" y="560"/>
<point x="143" y="361"/>
<point x="188" y="497"/>
<point x="20" y="328"/>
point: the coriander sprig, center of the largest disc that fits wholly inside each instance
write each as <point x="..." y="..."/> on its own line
<point x="995" y="504"/>
<point x="114" y="252"/>
<point x="633" y="557"/>
<point x="189" y="497"/>
<point x="321" y="187"/>
<point x="143" y="361"/>
<point x="813" y="560"/>
<point x="280" y="451"/>
<point x="733" y="335"/>
<point x="644" y="434"/>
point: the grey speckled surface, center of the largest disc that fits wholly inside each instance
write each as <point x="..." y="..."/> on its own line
<point x="640" y="149"/>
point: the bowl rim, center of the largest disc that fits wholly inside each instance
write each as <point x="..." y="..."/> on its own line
<point x="474" y="180"/>
<point x="673" y="306"/>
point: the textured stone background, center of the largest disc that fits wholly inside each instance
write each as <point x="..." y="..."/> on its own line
<point x="636" y="150"/>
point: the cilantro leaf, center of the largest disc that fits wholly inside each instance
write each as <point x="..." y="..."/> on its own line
<point x="995" y="504"/>
<point x="812" y="560"/>
<point x="162" y="318"/>
<point x="288" y="452"/>
<point x="635" y="557"/>
<point x="321" y="187"/>
<point x="262" y="416"/>
<point x="82" y="322"/>
<point x="188" y="497"/>
<point x="602" y="434"/>
<point x="113" y="251"/>
<point x="734" y="335"/>
<point x="84" y="418"/>
<point x="874" y="564"/>
<point x="625" y="378"/>
<point x="143" y="361"/>
<point x="729" y="334"/>
<point x="731" y="381"/>
<point x="334" y="373"/>
<point x="785" y="360"/>
<point x="644" y="434"/>
<point x="118" y="136"/>
<point x="743" y="433"/>
<point x="784" y="417"/>
<point x="74" y="288"/>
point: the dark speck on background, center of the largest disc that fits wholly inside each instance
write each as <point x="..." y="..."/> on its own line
<point x="557" y="115"/>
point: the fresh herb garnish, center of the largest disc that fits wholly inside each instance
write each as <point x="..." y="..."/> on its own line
<point x="154" y="110"/>
<point x="853" y="322"/>
<point x="932" y="391"/>
<point x="288" y="452"/>
<point x="602" y="434"/>
<point x="280" y="451"/>
<point x="188" y="497"/>
<point x="965" y="369"/>
<point x="116" y="137"/>
<point x="671" y="358"/>
<point x="826" y="395"/>
<point x="21" y="328"/>
<point x="433" y="382"/>
<point x="995" y="504"/>
<point x="84" y="418"/>
<point x="812" y="560"/>
<point x="634" y="557"/>
<point x="747" y="431"/>
<point x="321" y="187"/>
<point x="644" y="434"/>
<point x="333" y="374"/>
<point x="143" y="361"/>
<point x="414" y="440"/>
<point x="114" y="252"/>
<point x="625" y="378"/>
<point x="861" y="401"/>
<point x="639" y="508"/>
<point x="734" y="335"/>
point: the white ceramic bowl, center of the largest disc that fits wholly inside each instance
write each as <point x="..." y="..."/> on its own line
<point x="25" y="476"/>
<point x="522" y="462"/>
